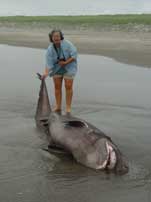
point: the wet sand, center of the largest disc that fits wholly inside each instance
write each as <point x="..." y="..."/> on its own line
<point x="120" y="107"/>
<point x="126" y="47"/>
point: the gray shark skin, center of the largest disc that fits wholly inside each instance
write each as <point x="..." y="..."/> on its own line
<point x="87" y="144"/>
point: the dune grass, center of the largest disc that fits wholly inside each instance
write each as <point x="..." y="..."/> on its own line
<point x="144" y="19"/>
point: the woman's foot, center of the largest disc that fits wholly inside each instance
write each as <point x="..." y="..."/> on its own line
<point x="57" y="109"/>
<point x="68" y="110"/>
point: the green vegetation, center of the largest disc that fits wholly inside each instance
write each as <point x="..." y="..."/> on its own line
<point x="144" y="19"/>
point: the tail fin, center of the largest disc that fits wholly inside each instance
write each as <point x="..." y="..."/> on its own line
<point x="43" y="106"/>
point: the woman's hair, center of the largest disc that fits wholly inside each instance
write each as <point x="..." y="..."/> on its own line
<point x="53" y="31"/>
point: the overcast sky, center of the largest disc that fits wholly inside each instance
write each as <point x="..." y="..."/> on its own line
<point x="73" y="7"/>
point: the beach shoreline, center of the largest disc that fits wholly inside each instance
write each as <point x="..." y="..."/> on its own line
<point x="128" y="47"/>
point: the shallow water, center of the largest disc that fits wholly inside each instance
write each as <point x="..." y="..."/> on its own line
<point x="114" y="97"/>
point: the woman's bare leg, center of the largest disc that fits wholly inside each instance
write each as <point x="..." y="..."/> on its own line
<point x="58" y="92"/>
<point x="69" y="93"/>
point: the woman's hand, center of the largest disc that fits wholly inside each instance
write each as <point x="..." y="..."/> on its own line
<point x="46" y="73"/>
<point x="62" y="63"/>
<point x="43" y="76"/>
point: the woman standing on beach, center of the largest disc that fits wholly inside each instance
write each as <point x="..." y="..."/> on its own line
<point x="61" y="63"/>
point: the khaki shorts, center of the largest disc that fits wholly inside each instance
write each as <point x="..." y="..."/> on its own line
<point x="65" y="76"/>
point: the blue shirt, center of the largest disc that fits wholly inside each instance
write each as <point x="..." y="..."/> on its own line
<point x="67" y="50"/>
